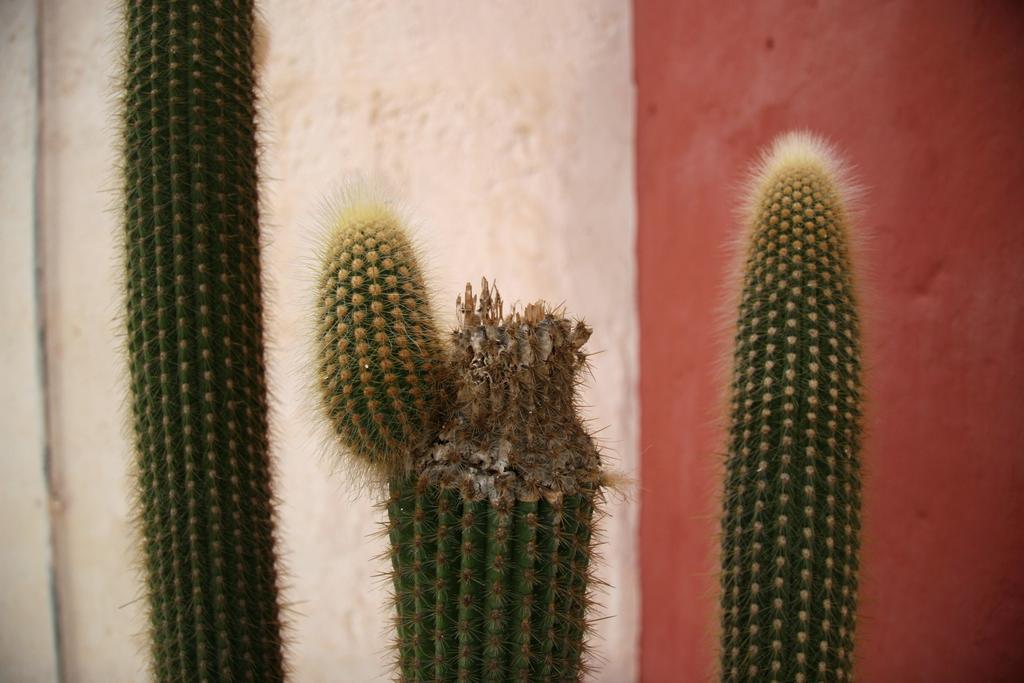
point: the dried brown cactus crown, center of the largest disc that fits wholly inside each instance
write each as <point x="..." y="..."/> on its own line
<point x="513" y="431"/>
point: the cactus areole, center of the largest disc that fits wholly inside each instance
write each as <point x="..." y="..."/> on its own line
<point x="791" y="516"/>
<point x="493" y="478"/>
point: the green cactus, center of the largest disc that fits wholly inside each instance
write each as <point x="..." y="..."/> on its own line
<point x="381" y="358"/>
<point x="492" y="541"/>
<point x="791" y="511"/>
<point x="195" y="341"/>
<point x="493" y="479"/>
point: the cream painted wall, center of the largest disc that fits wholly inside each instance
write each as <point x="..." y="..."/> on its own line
<point x="101" y="617"/>
<point x="506" y="127"/>
<point x="26" y="632"/>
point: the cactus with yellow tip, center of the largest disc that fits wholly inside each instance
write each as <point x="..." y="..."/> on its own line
<point x="381" y="357"/>
<point x="791" y="513"/>
<point x="493" y="478"/>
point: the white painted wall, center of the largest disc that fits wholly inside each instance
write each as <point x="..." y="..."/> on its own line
<point x="26" y="632"/>
<point x="507" y="129"/>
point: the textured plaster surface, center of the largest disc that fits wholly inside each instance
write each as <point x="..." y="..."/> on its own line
<point x="26" y="634"/>
<point x="506" y="129"/>
<point x="925" y="100"/>
<point x="101" y="618"/>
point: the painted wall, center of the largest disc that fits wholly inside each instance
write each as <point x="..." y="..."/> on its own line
<point x="506" y="127"/>
<point x="926" y="99"/>
<point x="26" y="629"/>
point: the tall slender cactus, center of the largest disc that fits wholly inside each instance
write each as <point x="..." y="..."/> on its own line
<point x="791" y="518"/>
<point x="195" y="340"/>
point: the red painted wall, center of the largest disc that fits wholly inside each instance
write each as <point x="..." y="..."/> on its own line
<point x="927" y="100"/>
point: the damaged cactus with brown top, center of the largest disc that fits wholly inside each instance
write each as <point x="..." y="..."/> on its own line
<point x="492" y="519"/>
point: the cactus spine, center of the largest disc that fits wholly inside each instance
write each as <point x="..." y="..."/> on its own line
<point x="791" y="517"/>
<point x="195" y="341"/>
<point x="491" y="516"/>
